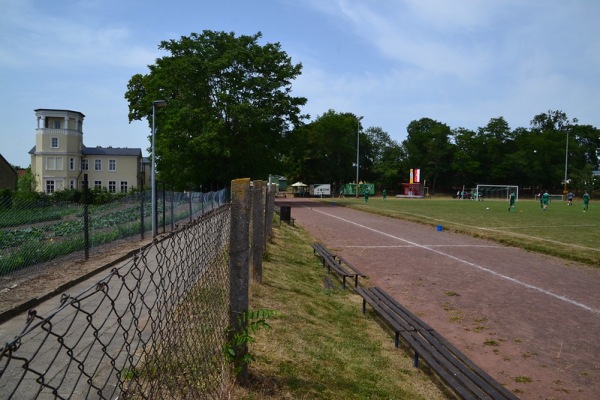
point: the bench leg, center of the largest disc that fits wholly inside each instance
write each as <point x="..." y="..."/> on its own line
<point x="416" y="360"/>
<point x="344" y="282"/>
<point x="355" y="280"/>
<point x="364" y="306"/>
<point x="397" y="339"/>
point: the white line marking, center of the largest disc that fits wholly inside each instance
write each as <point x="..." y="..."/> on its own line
<point x="425" y="245"/>
<point x="501" y="229"/>
<point x="508" y="278"/>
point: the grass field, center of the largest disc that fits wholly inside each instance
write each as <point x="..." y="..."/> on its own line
<point x="562" y="231"/>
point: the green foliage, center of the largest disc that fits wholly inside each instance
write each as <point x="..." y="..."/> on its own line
<point x="428" y="147"/>
<point x="229" y="107"/>
<point x="249" y="323"/>
<point x="26" y="183"/>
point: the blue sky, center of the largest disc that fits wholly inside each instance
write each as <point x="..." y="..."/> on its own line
<point x="461" y="62"/>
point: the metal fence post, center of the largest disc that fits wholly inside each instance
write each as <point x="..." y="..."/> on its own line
<point x="239" y="268"/>
<point x="86" y="224"/>
<point x="172" y="208"/>
<point x="258" y="228"/>
<point x="164" y="205"/>
<point x="142" y="227"/>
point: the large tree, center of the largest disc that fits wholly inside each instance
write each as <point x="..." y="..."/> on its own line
<point x="229" y="107"/>
<point x="388" y="159"/>
<point x="324" y="151"/>
<point x="428" y="147"/>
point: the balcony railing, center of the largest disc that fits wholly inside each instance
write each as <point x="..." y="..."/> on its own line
<point x="52" y="131"/>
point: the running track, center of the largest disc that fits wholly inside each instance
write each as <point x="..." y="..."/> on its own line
<point x="514" y="313"/>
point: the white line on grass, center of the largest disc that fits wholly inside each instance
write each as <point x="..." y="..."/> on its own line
<point x="503" y="231"/>
<point x="425" y="245"/>
<point x="508" y="278"/>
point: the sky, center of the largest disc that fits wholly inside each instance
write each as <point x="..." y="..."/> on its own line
<point x="460" y="62"/>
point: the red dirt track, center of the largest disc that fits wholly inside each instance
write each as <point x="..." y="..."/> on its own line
<point x="531" y="321"/>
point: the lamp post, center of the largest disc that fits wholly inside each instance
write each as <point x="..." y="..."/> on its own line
<point x="566" y="161"/>
<point x="155" y="104"/>
<point x="358" y="119"/>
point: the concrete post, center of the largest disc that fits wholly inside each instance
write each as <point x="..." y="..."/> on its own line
<point x="258" y="228"/>
<point x="270" y="204"/>
<point x="239" y="268"/>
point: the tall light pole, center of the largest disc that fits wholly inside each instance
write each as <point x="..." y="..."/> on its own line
<point x="566" y="161"/>
<point x="155" y="104"/>
<point x="358" y="119"/>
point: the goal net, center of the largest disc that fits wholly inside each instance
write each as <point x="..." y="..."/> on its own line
<point x="553" y="197"/>
<point x="497" y="192"/>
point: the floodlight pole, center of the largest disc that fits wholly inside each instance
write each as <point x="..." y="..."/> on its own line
<point x="155" y="104"/>
<point x="358" y="119"/>
<point x="566" y="161"/>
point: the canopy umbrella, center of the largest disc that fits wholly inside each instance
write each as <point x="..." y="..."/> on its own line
<point x="299" y="184"/>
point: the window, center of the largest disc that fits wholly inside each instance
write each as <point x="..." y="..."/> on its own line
<point x="112" y="165"/>
<point x="49" y="186"/>
<point x="54" y="144"/>
<point x="54" y="164"/>
<point x="56" y="124"/>
<point x="123" y="186"/>
<point x="98" y="185"/>
<point x="84" y="164"/>
<point x="112" y="186"/>
<point x="97" y="165"/>
<point x="72" y="184"/>
<point x="71" y="163"/>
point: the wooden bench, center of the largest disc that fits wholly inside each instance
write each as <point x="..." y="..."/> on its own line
<point x="338" y="264"/>
<point x="464" y="377"/>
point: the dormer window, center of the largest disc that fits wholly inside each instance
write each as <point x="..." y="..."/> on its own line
<point x="54" y="144"/>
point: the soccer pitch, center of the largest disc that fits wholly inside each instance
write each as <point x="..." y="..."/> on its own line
<point x="562" y="230"/>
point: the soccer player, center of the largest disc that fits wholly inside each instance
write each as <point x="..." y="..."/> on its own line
<point x="586" y="201"/>
<point x="570" y="198"/>
<point x="511" y="201"/>
<point x="384" y="194"/>
<point x="545" y="200"/>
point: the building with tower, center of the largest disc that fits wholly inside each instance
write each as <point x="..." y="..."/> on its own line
<point x="59" y="159"/>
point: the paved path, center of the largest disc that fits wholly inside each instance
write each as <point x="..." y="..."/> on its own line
<point x="519" y="315"/>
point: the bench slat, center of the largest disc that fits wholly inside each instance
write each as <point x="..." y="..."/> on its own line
<point x="410" y="336"/>
<point x="335" y="263"/>
<point x="452" y="354"/>
<point x="460" y="373"/>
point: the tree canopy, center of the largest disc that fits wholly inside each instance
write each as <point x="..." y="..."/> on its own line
<point x="231" y="114"/>
<point x="229" y="107"/>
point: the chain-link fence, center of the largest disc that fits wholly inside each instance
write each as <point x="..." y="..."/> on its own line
<point x="155" y="327"/>
<point x="36" y="231"/>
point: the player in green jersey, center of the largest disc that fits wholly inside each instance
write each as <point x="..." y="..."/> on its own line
<point x="545" y="200"/>
<point x="586" y="201"/>
<point x="511" y="201"/>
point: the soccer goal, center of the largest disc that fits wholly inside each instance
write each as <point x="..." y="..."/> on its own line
<point x="553" y="197"/>
<point x="495" y="192"/>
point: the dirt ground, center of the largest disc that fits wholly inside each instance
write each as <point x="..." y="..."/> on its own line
<point x="529" y="320"/>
